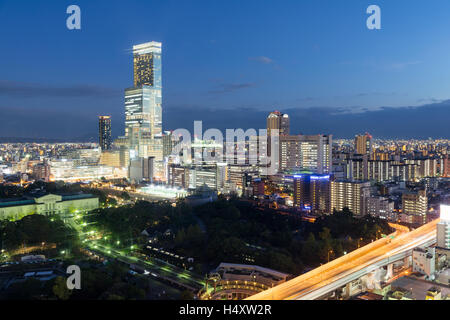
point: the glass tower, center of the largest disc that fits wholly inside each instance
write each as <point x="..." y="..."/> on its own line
<point x="143" y="102"/>
<point x="143" y="106"/>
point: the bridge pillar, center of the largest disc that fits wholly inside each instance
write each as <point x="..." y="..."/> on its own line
<point x="406" y="262"/>
<point x="348" y="289"/>
<point x="390" y="271"/>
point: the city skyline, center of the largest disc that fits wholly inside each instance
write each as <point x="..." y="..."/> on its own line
<point x="212" y="150"/>
<point x="299" y="71"/>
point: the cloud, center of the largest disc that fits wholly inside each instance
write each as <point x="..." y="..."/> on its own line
<point x="397" y="65"/>
<point x="429" y="120"/>
<point x="262" y="59"/>
<point x="32" y="90"/>
<point x="230" y="87"/>
<point x="67" y="122"/>
<point x="403" y="65"/>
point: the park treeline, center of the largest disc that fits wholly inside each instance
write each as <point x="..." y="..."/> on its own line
<point x="36" y="230"/>
<point x="236" y="231"/>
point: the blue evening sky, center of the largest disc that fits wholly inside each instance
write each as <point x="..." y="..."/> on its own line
<point x="225" y="59"/>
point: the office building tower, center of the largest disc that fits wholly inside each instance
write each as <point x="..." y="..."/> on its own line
<point x="141" y="169"/>
<point x="306" y="153"/>
<point x="147" y="64"/>
<point x="312" y="192"/>
<point x="278" y="120"/>
<point x="143" y="108"/>
<point x="316" y="153"/>
<point x="363" y="144"/>
<point x="289" y="155"/>
<point x="104" y="134"/>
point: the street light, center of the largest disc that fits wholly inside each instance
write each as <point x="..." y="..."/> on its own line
<point x="329" y="251"/>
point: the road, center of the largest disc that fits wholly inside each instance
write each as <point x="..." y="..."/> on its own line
<point x="157" y="268"/>
<point x="358" y="262"/>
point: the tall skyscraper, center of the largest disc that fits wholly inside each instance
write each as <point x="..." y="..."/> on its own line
<point x="147" y="65"/>
<point x="104" y="134"/>
<point x="363" y="144"/>
<point x="278" y="120"/>
<point x="143" y="108"/>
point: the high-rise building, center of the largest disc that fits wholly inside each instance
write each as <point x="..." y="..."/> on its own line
<point x="313" y="192"/>
<point x="104" y="134"/>
<point x="141" y="169"/>
<point x="363" y="144"/>
<point x="414" y="207"/>
<point x="445" y="170"/>
<point x="443" y="228"/>
<point x="147" y="64"/>
<point x="143" y="108"/>
<point x="178" y="176"/>
<point x="306" y="153"/>
<point x="278" y="120"/>
<point x="41" y="171"/>
<point x="350" y="194"/>
<point x="316" y="153"/>
<point x="289" y="155"/>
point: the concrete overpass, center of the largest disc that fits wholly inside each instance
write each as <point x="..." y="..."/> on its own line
<point x="339" y="272"/>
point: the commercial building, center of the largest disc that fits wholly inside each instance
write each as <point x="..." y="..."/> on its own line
<point x="316" y="153"/>
<point x="312" y="192"/>
<point x="141" y="169"/>
<point x="143" y="108"/>
<point x="278" y="121"/>
<point x="48" y="204"/>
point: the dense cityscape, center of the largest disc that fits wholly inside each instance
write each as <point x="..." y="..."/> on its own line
<point x="212" y="159"/>
<point x="147" y="219"/>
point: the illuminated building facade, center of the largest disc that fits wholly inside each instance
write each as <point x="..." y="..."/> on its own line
<point x="279" y="121"/>
<point x="104" y="134"/>
<point x="316" y="153"/>
<point x="143" y="108"/>
<point x="414" y="207"/>
<point x="47" y="205"/>
<point x="312" y="192"/>
<point x="350" y="194"/>
<point x="363" y="144"/>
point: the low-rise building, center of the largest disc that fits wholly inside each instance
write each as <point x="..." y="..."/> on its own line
<point x="424" y="261"/>
<point x="48" y="204"/>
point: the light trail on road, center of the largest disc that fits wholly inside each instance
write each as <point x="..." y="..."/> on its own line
<point x="355" y="261"/>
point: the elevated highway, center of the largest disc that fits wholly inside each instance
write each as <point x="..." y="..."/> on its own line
<point x="337" y="273"/>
